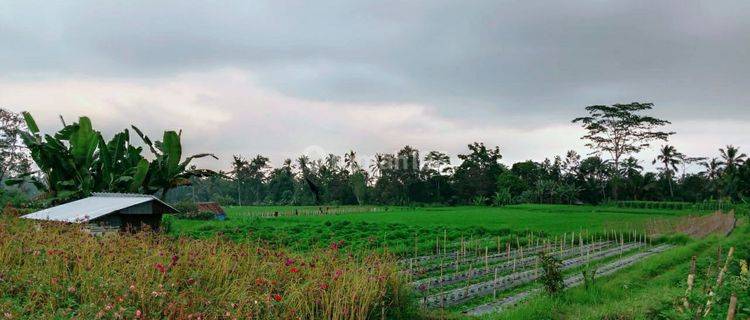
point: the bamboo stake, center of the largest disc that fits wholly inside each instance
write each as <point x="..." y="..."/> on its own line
<point x="442" y="298"/>
<point x="494" y="287"/>
<point x="732" y="307"/>
<point x="507" y="245"/>
<point x="486" y="260"/>
<point x="690" y="282"/>
<point x="498" y="245"/>
<point x="445" y="242"/>
<point x="719" y="280"/>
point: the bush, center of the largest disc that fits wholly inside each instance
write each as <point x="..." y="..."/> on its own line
<point x="186" y="206"/>
<point x="205" y="215"/>
<point x="552" y="277"/>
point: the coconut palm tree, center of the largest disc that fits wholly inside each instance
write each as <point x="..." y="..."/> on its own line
<point x="669" y="158"/>
<point x="712" y="172"/>
<point x="350" y="160"/>
<point x="630" y="167"/>
<point x="713" y="168"/>
<point x="377" y="165"/>
<point x="732" y="157"/>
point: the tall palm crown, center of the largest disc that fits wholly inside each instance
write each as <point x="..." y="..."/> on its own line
<point x="350" y="159"/>
<point x="732" y="157"/>
<point x="669" y="157"/>
<point x="630" y="167"/>
<point x="377" y="165"/>
<point x="712" y="168"/>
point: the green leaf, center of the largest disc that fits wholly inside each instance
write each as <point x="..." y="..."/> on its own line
<point x="30" y="122"/>
<point x="145" y="139"/>
<point x="139" y="177"/>
<point x="173" y="152"/>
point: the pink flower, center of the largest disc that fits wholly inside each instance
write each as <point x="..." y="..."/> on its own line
<point x="138" y="313"/>
<point x="160" y="267"/>
<point x="289" y="262"/>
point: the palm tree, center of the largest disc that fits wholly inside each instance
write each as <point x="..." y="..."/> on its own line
<point x="732" y="157"/>
<point x="350" y="160"/>
<point x="712" y="172"/>
<point x="377" y="165"/>
<point x="670" y="158"/>
<point x="629" y="167"/>
<point x="713" y="168"/>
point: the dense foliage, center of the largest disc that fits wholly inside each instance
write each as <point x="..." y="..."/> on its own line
<point x="481" y="178"/>
<point x="77" y="160"/>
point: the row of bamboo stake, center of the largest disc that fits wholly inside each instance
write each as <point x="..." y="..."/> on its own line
<point x="704" y="311"/>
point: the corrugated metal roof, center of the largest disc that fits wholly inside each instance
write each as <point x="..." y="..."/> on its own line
<point x="98" y="205"/>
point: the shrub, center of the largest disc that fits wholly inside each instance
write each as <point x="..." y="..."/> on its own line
<point x="186" y="206"/>
<point x="552" y="277"/>
<point x="205" y="215"/>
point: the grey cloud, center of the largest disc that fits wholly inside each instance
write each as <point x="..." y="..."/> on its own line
<point x="481" y="62"/>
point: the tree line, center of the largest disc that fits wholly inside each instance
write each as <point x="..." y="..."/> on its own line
<point x="77" y="160"/>
<point x="611" y="172"/>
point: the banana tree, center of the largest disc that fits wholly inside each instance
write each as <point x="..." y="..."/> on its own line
<point x="168" y="170"/>
<point x="77" y="161"/>
<point x="67" y="159"/>
<point x="121" y="165"/>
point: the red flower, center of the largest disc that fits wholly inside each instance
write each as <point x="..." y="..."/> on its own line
<point x="277" y="297"/>
<point x="294" y="270"/>
<point x="324" y="286"/>
<point x="160" y="267"/>
<point x="337" y="274"/>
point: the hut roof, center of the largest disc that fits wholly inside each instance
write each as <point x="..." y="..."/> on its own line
<point x="98" y="205"/>
<point x="212" y="207"/>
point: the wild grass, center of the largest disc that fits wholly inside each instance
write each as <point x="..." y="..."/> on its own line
<point x="56" y="271"/>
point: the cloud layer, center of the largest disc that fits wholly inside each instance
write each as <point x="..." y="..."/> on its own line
<point x="273" y="78"/>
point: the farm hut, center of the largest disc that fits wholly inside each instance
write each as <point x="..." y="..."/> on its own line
<point x="212" y="207"/>
<point x="106" y="212"/>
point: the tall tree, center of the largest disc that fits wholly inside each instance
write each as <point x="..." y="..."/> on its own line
<point x="477" y="174"/>
<point x="240" y="171"/>
<point x="350" y="161"/>
<point x="669" y="158"/>
<point x="732" y="157"/>
<point x="14" y="157"/>
<point x="620" y="130"/>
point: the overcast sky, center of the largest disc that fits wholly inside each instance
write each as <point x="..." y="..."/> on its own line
<point x="282" y="78"/>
